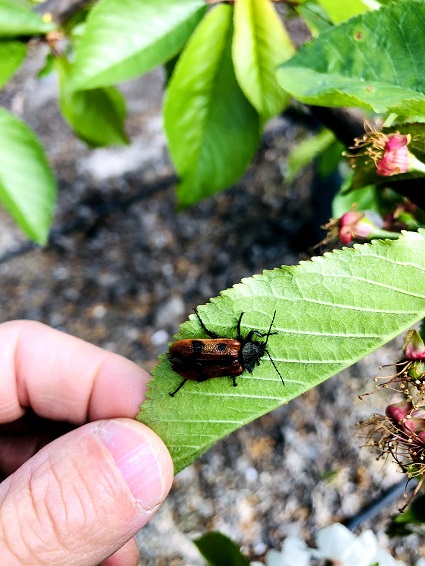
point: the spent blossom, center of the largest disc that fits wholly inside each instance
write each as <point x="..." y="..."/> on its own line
<point x="389" y="153"/>
<point x="400" y="434"/>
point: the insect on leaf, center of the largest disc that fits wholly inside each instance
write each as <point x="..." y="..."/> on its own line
<point x="330" y="312"/>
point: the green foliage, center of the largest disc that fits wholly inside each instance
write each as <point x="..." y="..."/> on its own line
<point x="211" y="127"/>
<point x="16" y="20"/>
<point x="97" y="115"/>
<point x="222" y="84"/>
<point x="342" y="11"/>
<point x="331" y="312"/>
<point x="124" y="39"/>
<point x="315" y="17"/>
<point x="411" y="521"/>
<point x="366" y="198"/>
<point x="366" y="62"/>
<point x="219" y="550"/>
<point x="306" y="151"/>
<point x="12" y="54"/>
<point x="27" y="185"/>
<point x="260" y="43"/>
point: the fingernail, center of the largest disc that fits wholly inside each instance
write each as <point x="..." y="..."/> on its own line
<point x="137" y="459"/>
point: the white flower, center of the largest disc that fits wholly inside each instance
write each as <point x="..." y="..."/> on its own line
<point x="336" y="543"/>
<point x="294" y="551"/>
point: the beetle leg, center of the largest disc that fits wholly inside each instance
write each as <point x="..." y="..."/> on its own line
<point x="212" y="334"/>
<point x="178" y="388"/>
<point x="252" y="333"/>
<point x="234" y="381"/>
<point x="238" y="328"/>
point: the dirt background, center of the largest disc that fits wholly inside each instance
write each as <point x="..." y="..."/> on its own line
<point x="125" y="279"/>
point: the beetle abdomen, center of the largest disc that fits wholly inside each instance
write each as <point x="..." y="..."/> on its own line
<point x="202" y="359"/>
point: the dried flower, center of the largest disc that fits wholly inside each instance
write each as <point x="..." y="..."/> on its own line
<point x="395" y="159"/>
<point x="400" y="433"/>
<point x="389" y="152"/>
<point x="409" y="371"/>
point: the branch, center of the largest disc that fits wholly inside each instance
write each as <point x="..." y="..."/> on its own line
<point x="63" y="10"/>
<point x="345" y="123"/>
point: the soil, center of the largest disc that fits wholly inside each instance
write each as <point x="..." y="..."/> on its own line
<point x="126" y="279"/>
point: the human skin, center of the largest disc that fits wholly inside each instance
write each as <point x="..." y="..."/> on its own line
<point x="79" y="475"/>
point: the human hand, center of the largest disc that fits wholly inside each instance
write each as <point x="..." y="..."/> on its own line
<point x="74" y="498"/>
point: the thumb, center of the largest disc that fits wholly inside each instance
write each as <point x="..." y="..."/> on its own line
<point x="83" y="496"/>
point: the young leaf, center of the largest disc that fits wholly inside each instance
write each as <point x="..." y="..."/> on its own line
<point x="27" y="185"/>
<point x="218" y="550"/>
<point x="16" y="20"/>
<point x="306" y="151"/>
<point x="212" y="129"/>
<point x="366" y="62"/>
<point x="260" y="44"/>
<point x="97" y="116"/>
<point x="314" y="17"/>
<point x="330" y="312"/>
<point x="124" y="39"/>
<point x="12" y="54"/>
<point x="341" y="11"/>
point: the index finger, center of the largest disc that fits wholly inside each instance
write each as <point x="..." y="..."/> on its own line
<point x="64" y="378"/>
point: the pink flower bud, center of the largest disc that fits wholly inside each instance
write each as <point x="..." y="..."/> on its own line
<point x="389" y="153"/>
<point x="396" y="157"/>
<point x="409" y="420"/>
<point x="414" y="347"/>
<point x="399" y="411"/>
<point x="354" y="225"/>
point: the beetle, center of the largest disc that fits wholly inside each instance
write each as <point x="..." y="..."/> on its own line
<point x="200" y="359"/>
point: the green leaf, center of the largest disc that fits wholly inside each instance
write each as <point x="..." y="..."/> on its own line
<point x="212" y="129"/>
<point x="304" y="153"/>
<point x="124" y="39"/>
<point x="315" y="17"/>
<point x="48" y="67"/>
<point x="16" y="20"/>
<point x="219" y="550"/>
<point x="330" y="312"/>
<point x="415" y="513"/>
<point x="342" y="11"/>
<point x="12" y="54"/>
<point x="366" y="62"/>
<point x="97" y="116"/>
<point x="330" y="159"/>
<point x="260" y="44"/>
<point x="27" y="185"/>
<point x="366" y="198"/>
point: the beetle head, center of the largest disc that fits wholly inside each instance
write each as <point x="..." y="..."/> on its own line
<point x="251" y="353"/>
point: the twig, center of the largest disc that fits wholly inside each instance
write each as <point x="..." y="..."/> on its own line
<point x="387" y="498"/>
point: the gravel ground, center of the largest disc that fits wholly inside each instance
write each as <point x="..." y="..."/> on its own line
<point x="126" y="281"/>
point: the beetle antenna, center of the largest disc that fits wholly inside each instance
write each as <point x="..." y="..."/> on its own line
<point x="274" y="365"/>
<point x="270" y="329"/>
<point x="178" y="388"/>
